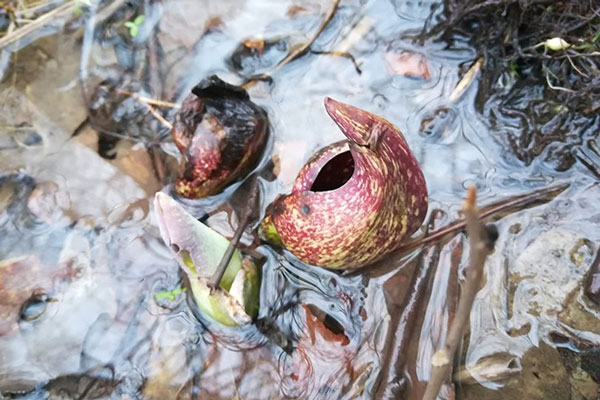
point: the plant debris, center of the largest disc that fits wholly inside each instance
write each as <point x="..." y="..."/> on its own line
<point x="408" y="64"/>
<point x="540" y="85"/>
<point x="222" y="135"/>
<point x="592" y="283"/>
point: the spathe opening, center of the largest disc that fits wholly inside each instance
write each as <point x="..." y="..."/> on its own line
<point x="335" y="173"/>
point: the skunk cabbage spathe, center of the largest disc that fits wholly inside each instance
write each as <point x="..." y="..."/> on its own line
<point x="221" y="134"/>
<point x="354" y="200"/>
<point x="198" y="249"/>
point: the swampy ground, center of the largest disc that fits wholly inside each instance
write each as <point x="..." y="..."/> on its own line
<point x="91" y="300"/>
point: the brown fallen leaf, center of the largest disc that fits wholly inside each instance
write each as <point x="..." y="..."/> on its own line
<point x="256" y="44"/>
<point x="213" y="24"/>
<point x="294" y="10"/>
<point x="408" y="64"/>
<point x="302" y="9"/>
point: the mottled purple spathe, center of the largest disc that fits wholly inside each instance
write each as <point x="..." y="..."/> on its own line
<point x="383" y="202"/>
<point x="221" y="135"/>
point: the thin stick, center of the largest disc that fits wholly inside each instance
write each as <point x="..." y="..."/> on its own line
<point x="147" y="100"/>
<point x="306" y="46"/>
<point x="300" y="51"/>
<point x="249" y="210"/>
<point x="480" y="243"/>
<point x="36" y="8"/>
<point x="159" y="117"/>
<point x="488" y="211"/>
<point x="157" y="163"/>
<point x="25" y="30"/>
<point x="147" y="103"/>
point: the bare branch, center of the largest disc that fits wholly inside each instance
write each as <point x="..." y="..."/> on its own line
<point x="247" y="215"/>
<point x="481" y="242"/>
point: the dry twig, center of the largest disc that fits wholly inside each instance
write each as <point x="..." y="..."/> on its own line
<point x="248" y="213"/>
<point x="481" y="242"/>
<point x="500" y="208"/>
<point x="159" y="117"/>
<point x="148" y="100"/>
<point x="18" y="34"/>
<point x="298" y="52"/>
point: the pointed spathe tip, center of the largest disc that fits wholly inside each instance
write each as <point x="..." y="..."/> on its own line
<point x="354" y="123"/>
<point x="331" y="105"/>
<point x="162" y="201"/>
<point x="174" y="222"/>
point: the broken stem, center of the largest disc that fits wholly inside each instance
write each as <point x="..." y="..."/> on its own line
<point x="159" y="117"/>
<point x="147" y="100"/>
<point x="503" y="206"/>
<point x="157" y="162"/>
<point x="251" y="205"/>
<point x="481" y="243"/>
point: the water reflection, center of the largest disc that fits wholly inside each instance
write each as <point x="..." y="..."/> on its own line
<point x="79" y="227"/>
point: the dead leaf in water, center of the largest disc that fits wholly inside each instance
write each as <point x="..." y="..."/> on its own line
<point x="466" y="81"/>
<point x="317" y="323"/>
<point x="299" y="10"/>
<point x="214" y="24"/>
<point x="256" y="44"/>
<point x="495" y="368"/>
<point x="409" y="64"/>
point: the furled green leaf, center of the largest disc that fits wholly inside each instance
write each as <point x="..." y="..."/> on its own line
<point x="198" y="250"/>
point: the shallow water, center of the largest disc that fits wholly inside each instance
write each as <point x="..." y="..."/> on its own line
<point x="79" y="229"/>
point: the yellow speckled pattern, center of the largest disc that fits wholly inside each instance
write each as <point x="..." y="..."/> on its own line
<point x="384" y="201"/>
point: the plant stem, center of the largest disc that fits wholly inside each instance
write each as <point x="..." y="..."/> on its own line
<point x="481" y="242"/>
<point x="497" y="209"/>
<point x="251" y="205"/>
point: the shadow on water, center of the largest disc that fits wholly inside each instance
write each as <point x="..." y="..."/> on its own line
<point x="83" y="270"/>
